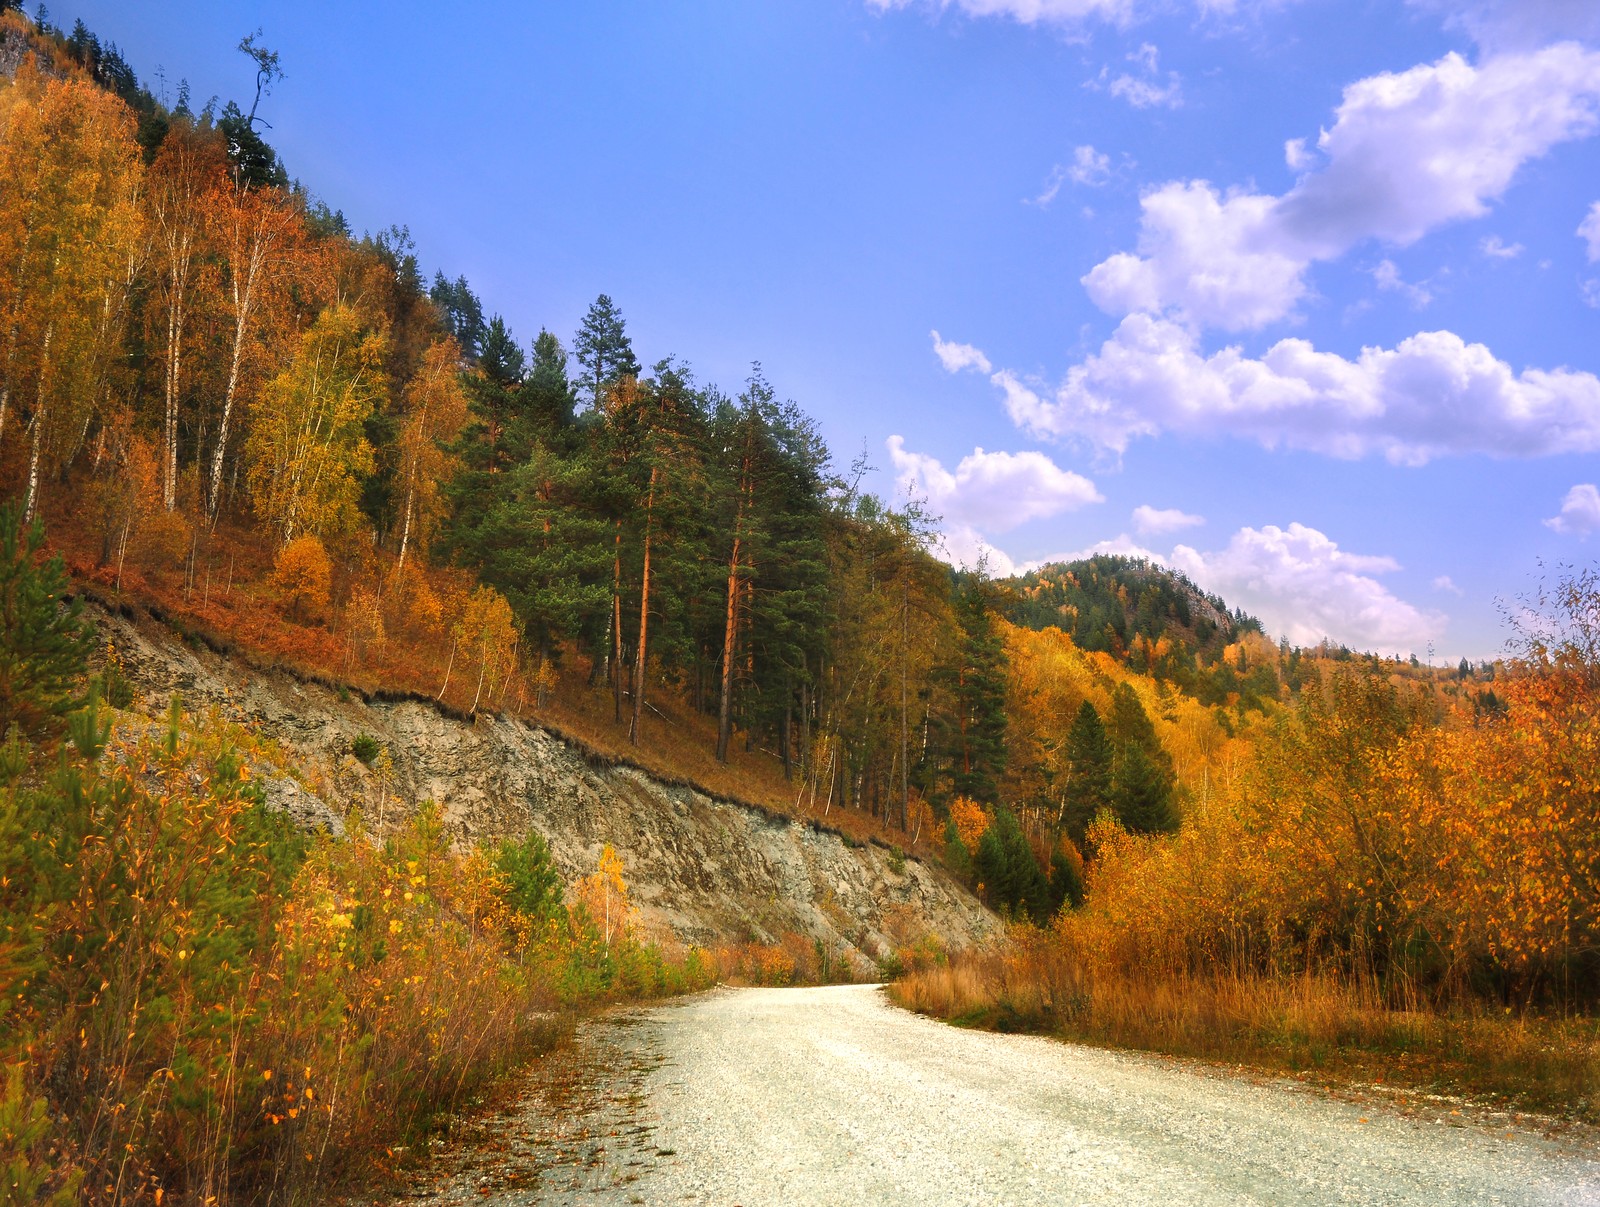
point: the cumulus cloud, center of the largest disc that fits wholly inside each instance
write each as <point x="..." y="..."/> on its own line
<point x="1407" y="153"/>
<point x="1580" y="512"/>
<point x="1502" y="25"/>
<point x="1151" y="521"/>
<point x="1303" y="586"/>
<point x="1202" y="255"/>
<point x="1448" y="585"/>
<point x="1589" y="232"/>
<point x="1430" y="396"/>
<point x="991" y="492"/>
<point x="956" y="357"/>
<point x="966" y="548"/>
<point x="1497" y="248"/>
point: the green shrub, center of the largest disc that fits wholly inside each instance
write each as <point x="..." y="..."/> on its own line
<point x="366" y="748"/>
<point x="532" y="884"/>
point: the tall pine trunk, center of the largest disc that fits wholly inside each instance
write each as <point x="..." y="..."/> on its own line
<point x="729" y="639"/>
<point x="616" y="626"/>
<point x="644" y="615"/>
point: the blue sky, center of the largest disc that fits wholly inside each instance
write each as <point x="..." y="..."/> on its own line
<point x="1299" y="297"/>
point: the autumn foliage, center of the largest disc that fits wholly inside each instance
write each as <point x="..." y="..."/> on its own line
<point x="1376" y="873"/>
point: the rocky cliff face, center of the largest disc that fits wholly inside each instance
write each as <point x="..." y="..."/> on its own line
<point x="708" y="870"/>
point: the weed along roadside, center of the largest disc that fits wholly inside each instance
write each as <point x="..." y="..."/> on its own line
<point x="206" y="1002"/>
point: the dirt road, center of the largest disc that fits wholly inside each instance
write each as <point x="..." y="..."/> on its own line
<point x="833" y="1096"/>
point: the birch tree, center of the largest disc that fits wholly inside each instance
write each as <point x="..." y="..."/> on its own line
<point x="307" y="450"/>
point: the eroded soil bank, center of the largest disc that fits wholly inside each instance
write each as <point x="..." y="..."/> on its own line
<point x="704" y="870"/>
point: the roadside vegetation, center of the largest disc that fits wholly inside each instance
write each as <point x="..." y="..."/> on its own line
<point x="201" y="1004"/>
<point x="1384" y="888"/>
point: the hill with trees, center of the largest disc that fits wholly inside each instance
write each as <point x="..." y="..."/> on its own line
<point x="291" y="442"/>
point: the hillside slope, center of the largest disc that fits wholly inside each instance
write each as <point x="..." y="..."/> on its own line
<point x="705" y="870"/>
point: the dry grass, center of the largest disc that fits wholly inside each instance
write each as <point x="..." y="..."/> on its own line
<point x="1320" y="1026"/>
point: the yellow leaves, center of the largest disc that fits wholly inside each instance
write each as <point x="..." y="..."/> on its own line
<point x="307" y="449"/>
<point x="604" y="896"/>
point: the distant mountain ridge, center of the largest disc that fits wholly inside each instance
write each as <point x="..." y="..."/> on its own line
<point x="1109" y="602"/>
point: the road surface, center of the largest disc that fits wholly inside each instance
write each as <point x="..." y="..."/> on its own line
<point x="834" y="1096"/>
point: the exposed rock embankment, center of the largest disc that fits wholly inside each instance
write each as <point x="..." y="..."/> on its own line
<point x="709" y="870"/>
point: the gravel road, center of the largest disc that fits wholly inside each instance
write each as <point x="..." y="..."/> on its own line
<point x="834" y="1096"/>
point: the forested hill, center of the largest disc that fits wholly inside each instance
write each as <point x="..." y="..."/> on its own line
<point x="1128" y="607"/>
<point x="219" y="399"/>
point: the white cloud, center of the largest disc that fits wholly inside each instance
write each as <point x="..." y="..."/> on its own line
<point x="1028" y="12"/>
<point x="1296" y="155"/>
<point x="1147" y="94"/>
<point x="1093" y="167"/>
<point x="1146" y="89"/>
<point x="1151" y="521"/>
<point x="991" y="492"/>
<point x="1433" y="395"/>
<point x="956" y="357"/>
<point x="1067" y="12"/>
<point x="1407" y="152"/>
<point x="1202" y="255"/>
<point x="1089" y="167"/>
<point x="1589" y="232"/>
<point x="967" y="549"/>
<point x="1448" y="585"/>
<point x="1502" y="25"/>
<point x="1303" y="586"/>
<point x="1387" y="275"/>
<point x="1052" y="186"/>
<point x="1580" y="512"/>
<point x="1498" y="249"/>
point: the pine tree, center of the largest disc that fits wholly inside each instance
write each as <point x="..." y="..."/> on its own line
<point x="1141" y="792"/>
<point x="976" y="732"/>
<point x="461" y="311"/>
<point x="1008" y="871"/>
<point x="44" y="646"/>
<point x="1087" y="786"/>
<point x="603" y="349"/>
<point x="548" y="395"/>
<point x="1142" y="777"/>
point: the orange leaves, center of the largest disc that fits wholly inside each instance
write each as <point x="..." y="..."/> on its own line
<point x="487" y="630"/>
<point x="301" y="575"/>
<point x="971" y="820"/>
<point x="1362" y="839"/>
